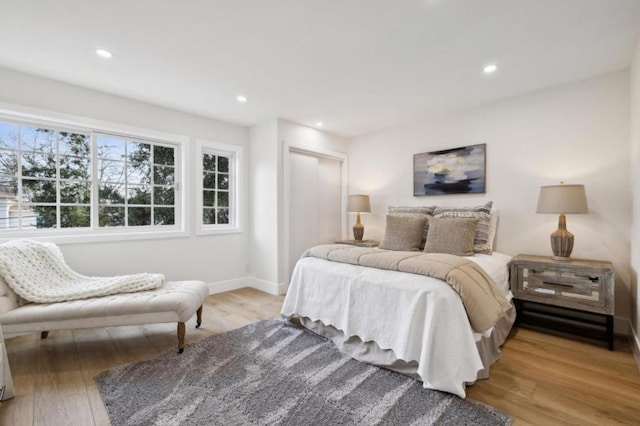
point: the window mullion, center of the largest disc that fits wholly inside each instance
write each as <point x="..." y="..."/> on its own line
<point x="57" y="183"/>
<point x="95" y="184"/>
<point x="125" y="202"/>
<point x="215" y="190"/>
<point x="232" y="190"/>
<point x="152" y="165"/>
<point x="19" y="177"/>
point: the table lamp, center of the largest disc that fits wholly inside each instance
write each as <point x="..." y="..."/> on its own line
<point x="358" y="204"/>
<point x="562" y="199"/>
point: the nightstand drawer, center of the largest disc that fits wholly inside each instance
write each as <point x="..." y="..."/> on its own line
<point x="562" y="284"/>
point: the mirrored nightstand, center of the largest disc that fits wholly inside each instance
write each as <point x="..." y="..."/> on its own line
<point x="575" y="296"/>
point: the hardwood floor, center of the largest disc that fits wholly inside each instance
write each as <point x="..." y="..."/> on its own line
<point x="540" y="380"/>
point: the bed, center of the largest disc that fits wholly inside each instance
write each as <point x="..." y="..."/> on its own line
<point x="407" y="322"/>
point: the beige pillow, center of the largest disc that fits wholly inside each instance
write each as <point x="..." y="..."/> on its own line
<point x="411" y="210"/>
<point x="403" y="233"/>
<point x="451" y="236"/>
<point x="482" y="213"/>
<point x="415" y="211"/>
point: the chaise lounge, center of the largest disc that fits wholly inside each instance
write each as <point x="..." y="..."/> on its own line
<point x="173" y="302"/>
<point x="39" y="292"/>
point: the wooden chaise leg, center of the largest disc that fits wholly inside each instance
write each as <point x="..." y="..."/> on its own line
<point x="181" y="330"/>
<point x="180" y="337"/>
<point x="199" y="315"/>
<point x="44" y="334"/>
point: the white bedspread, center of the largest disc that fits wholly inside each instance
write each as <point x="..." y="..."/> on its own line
<point x="420" y="318"/>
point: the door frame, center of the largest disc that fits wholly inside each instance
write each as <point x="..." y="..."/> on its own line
<point x="341" y="157"/>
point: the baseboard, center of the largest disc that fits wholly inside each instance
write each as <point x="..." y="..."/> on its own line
<point x="621" y="326"/>
<point x="258" y="284"/>
<point x="267" y="286"/>
<point x="228" y="285"/>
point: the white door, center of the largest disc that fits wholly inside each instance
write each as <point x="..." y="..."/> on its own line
<point x="315" y="216"/>
<point x="329" y="205"/>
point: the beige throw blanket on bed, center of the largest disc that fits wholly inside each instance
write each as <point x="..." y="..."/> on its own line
<point x="482" y="299"/>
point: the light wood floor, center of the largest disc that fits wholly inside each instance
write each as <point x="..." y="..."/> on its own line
<point x="540" y="380"/>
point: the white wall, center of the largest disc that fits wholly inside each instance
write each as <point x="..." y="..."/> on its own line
<point x="263" y="206"/>
<point x="635" y="182"/>
<point x="578" y="133"/>
<point x="308" y="138"/>
<point x="208" y="258"/>
<point x="269" y="239"/>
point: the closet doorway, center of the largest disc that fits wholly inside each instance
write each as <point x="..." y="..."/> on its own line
<point x="316" y="193"/>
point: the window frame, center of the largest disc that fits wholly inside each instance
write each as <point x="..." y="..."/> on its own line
<point x="235" y="154"/>
<point x="96" y="159"/>
<point x="62" y="122"/>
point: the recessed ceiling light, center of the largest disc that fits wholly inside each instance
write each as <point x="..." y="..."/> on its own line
<point x="319" y="123"/>
<point x="490" y="69"/>
<point x="103" y="53"/>
<point x="241" y="98"/>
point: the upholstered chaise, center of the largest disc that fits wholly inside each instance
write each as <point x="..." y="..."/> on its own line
<point x="173" y="302"/>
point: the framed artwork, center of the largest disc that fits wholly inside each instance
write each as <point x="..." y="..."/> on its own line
<point x="450" y="171"/>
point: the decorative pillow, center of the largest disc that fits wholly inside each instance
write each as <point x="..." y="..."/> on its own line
<point x="419" y="211"/>
<point x="403" y="233"/>
<point x="451" y="235"/>
<point x="411" y="210"/>
<point x="481" y="243"/>
<point x="493" y="227"/>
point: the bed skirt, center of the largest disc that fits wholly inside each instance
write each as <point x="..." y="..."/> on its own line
<point x="488" y="345"/>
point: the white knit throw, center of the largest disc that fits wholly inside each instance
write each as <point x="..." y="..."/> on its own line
<point x="37" y="272"/>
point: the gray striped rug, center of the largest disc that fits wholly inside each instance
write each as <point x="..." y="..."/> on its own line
<point x="274" y="372"/>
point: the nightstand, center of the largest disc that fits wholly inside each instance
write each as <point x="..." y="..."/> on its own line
<point x="363" y="243"/>
<point x="573" y="296"/>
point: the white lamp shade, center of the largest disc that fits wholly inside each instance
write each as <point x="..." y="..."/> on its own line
<point x="562" y="199"/>
<point x="358" y="204"/>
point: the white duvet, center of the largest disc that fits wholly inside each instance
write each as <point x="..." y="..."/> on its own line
<point x="420" y="318"/>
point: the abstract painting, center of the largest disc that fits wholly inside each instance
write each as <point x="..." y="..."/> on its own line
<point x="450" y="171"/>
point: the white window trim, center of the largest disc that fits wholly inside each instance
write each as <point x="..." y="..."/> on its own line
<point x="236" y="186"/>
<point x="13" y="112"/>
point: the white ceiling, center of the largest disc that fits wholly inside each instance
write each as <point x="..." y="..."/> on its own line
<point x="357" y="65"/>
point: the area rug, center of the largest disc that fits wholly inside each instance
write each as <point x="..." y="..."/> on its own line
<point x="274" y="372"/>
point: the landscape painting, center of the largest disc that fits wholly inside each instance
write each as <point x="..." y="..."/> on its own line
<point x="450" y="171"/>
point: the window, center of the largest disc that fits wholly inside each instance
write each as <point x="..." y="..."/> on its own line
<point x="218" y="178"/>
<point x="136" y="182"/>
<point x="63" y="180"/>
<point x="215" y="188"/>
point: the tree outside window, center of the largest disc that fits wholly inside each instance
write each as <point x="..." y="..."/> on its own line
<point x="136" y="183"/>
<point x="47" y="179"/>
<point x="216" y="184"/>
